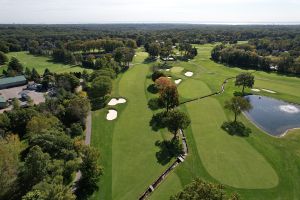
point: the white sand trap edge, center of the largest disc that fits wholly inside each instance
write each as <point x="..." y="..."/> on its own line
<point x="270" y="91"/>
<point x="178" y="81"/>
<point x="115" y="101"/>
<point x="255" y="90"/>
<point x="111" y="115"/>
<point x="289" y="109"/>
<point x="189" y="74"/>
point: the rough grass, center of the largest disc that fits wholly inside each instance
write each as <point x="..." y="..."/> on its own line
<point x="40" y="63"/>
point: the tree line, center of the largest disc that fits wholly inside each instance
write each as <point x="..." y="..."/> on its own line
<point x="250" y="56"/>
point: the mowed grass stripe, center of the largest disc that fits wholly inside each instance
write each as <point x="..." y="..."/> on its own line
<point x="133" y="150"/>
<point x="230" y="160"/>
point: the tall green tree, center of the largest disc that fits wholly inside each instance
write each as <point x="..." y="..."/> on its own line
<point x="244" y="80"/>
<point x="177" y="120"/>
<point x="15" y="66"/>
<point x="90" y="173"/>
<point x="169" y="96"/>
<point x="202" y="190"/>
<point x="3" y="58"/>
<point x="35" y="167"/>
<point x="237" y="105"/>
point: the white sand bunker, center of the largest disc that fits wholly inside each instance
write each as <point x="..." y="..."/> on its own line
<point x="270" y="91"/>
<point x="115" y="101"/>
<point x="255" y="90"/>
<point x="167" y="70"/>
<point x="178" y="81"/>
<point x="111" y="115"/>
<point x="189" y="74"/>
<point x="169" y="77"/>
<point x="289" y="108"/>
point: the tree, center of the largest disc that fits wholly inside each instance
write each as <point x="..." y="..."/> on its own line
<point x="237" y="105"/>
<point x="177" y="120"/>
<point x="67" y="81"/>
<point x="42" y="122"/>
<point x="162" y="83"/>
<point x="90" y="173"/>
<point x="244" y="80"/>
<point x="123" y="55"/>
<point x="35" y="75"/>
<point x="27" y="73"/>
<point x="154" y="49"/>
<point x="100" y="87"/>
<point x="77" y="110"/>
<point x="201" y="190"/>
<point x="15" y="66"/>
<point x="169" y="96"/>
<point x="35" y="167"/>
<point x="10" y="148"/>
<point x="3" y="58"/>
<point x="131" y="44"/>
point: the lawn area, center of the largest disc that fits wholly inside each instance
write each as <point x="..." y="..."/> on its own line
<point x="40" y="63"/>
<point x="257" y="167"/>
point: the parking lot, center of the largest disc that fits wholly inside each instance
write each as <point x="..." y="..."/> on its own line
<point x="15" y="92"/>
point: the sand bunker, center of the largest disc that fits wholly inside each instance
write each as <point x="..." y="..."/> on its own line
<point x="169" y="77"/>
<point x="270" y="91"/>
<point x="188" y="74"/>
<point x="289" y="108"/>
<point x="115" y="101"/>
<point x="111" y="115"/>
<point x="255" y="90"/>
<point x="178" y="81"/>
<point x="167" y="70"/>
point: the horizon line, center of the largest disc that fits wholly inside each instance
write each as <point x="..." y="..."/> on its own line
<point x="163" y="22"/>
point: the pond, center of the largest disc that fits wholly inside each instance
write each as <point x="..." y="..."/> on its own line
<point x="272" y="115"/>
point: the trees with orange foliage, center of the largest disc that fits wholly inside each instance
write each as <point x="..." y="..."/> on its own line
<point x="162" y="83"/>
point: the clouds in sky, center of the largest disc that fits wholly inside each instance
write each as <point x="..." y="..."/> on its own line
<point x="105" y="11"/>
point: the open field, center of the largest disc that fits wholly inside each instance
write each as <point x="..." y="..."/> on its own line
<point x="40" y="63"/>
<point x="257" y="167"/>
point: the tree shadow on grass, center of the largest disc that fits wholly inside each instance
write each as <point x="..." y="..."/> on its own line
<point x="240" y="94"/>
<point x="155" y="104"/>
<point x="158" y="121"/>
<point x="152" y="89"/>
<point x="236" y="128"/>
<point x="168" y="150"/>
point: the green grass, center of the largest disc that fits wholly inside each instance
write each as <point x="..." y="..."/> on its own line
<point x="40" y="63"/>
<point x="128" y="143"/>
<point x="257" y="167"/>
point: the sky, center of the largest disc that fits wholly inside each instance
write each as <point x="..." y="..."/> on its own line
<point x="149" y="11"/>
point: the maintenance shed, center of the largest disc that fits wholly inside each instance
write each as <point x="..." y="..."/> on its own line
<point x="12" y="82"/>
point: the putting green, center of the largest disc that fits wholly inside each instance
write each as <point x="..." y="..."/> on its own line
<point x="229" y="159"/>
<point x="191" y="88"/>
<point x="177" y="70"/>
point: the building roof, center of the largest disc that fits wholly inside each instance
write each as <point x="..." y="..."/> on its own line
<point x="2" y="99"/>
<point x="12" y="79"/>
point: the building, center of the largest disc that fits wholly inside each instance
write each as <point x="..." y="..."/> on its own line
<point x="12" y="82"/>
<point x="3" y="102"/>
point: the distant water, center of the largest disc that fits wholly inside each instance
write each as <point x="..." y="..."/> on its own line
<point x="272" y="115"/>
